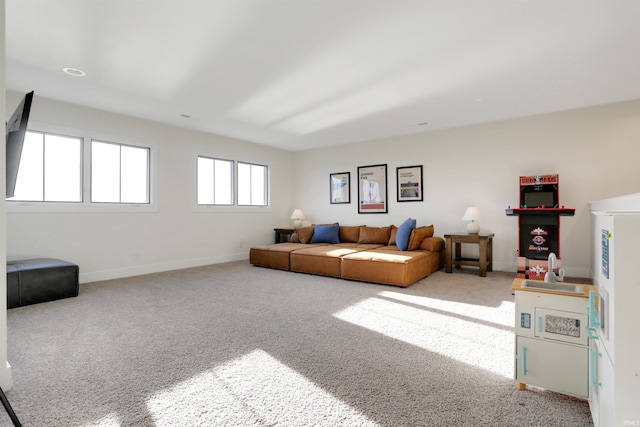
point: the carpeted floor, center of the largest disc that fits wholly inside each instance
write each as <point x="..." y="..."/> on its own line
<point x="237" y="345"/>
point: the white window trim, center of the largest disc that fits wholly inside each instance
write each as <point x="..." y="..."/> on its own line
<point x="120" y="145"/>
<point x="233" y="181"/>
<point x="86" y="205"/>
<point x="231" y="209"/>
<point x="235" y="208"/>
<point x="82" y="148"/>
<point x="268" y="183"/>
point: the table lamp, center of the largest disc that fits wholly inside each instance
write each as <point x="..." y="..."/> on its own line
<point x="297" y="216"/>
<point x="472" y="214"/>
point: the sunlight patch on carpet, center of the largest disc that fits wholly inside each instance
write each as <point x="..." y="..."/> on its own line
<point x="255" y="389"/>
<point x="501" y="315"/>
<point x="455" y="335"/>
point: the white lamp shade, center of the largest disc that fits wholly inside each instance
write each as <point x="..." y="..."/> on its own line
<point x="472" y="214"/>
<point x="297" y="214"/>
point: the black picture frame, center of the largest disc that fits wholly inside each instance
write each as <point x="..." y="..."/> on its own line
<point x="372" y="189"/>
<point x="409" y="184"/>
<point x="340" y="188"/>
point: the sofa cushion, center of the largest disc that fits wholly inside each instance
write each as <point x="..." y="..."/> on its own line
<point x="433" y="244"/>
<point x="387" y="266"/>
<point x="417" y="235"/>
<point x="304" y="234"/>
<point x="326" y="234"/>
<point x="392" y="235"/>
<point x="379" y="235"/>
<point x="404" y="232"/>
<point x="349" y="234"/>
<point x="276" y="255"/>
<point x="322" y="259"/>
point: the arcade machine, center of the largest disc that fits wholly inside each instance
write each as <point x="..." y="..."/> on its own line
<point x="539" y="226"/>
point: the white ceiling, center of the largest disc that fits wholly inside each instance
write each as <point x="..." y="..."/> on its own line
<point x="301" y="74"/>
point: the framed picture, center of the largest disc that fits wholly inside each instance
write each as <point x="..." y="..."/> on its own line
<point x="372" y="189"/>
<point x="409" y="179"/>
<point x="340" y="187"/>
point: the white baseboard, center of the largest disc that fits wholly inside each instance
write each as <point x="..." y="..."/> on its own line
<point x="96" y="276"/>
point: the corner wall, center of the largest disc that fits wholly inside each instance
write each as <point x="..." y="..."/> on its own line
<point x="594" y="150"/>
<point x="5" y="370"/>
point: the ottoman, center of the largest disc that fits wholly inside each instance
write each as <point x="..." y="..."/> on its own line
<point x="32" y="281"/>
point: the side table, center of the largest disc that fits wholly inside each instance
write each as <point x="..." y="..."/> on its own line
<point x="283" y="234"/>
<point x="485" y="256"/>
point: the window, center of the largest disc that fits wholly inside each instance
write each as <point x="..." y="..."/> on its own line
<point x="252" y="184"/>
<point x="215" y="181"/>
<point x="50" y="169"/>
<point x="119" y="173"/>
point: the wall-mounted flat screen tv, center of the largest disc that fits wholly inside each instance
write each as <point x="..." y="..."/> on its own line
<point x="16" y="130"/>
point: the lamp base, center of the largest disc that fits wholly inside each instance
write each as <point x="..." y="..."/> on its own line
<point x="473" y="228"/>
<point x="297" y="223"/>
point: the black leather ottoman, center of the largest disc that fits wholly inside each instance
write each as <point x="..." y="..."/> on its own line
<point x="31" y="281"/>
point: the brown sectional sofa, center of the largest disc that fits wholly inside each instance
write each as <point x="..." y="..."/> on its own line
<point x="362" y="253"/>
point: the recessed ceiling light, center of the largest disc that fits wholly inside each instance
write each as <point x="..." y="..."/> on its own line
<point x="74" y="72"/>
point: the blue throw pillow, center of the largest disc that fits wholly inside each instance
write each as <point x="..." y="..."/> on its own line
<point x="326" y="234"/>
<point x="403" y="234"/>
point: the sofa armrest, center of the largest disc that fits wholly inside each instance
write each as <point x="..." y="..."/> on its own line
<point x="433" y="244"/>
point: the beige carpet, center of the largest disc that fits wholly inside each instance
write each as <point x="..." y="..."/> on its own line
<point x="237" y="345"/>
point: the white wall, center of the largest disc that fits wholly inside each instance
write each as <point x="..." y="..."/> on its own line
<point x="596" y="152"/>
<point x="107" y="241"/>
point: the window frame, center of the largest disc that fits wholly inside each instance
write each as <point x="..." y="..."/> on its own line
<point x="266" y="192"/>
<point x="147" y="173"/>
<point x="81" y="182"/>
<point x="15" y="206"/>
<point x="235" y="207"/>
<point x="232" y="188"/>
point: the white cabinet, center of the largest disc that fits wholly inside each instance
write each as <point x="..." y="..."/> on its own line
<point x="552" y="347"/>
<point x="614" y="367"/>
<point x="601" y="400"/>
<point x="552" y="365"/>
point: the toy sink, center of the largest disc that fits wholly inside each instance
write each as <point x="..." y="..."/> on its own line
<point x="557" y="287"/>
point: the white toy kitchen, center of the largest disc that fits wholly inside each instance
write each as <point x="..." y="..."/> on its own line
<point x="552" y="335"/>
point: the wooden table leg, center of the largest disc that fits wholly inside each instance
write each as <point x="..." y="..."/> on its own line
<point x="448" y="255"/>
<point x="490" y="255"/>
<point x="458" y="254"/>
<point x="483" y="258"/>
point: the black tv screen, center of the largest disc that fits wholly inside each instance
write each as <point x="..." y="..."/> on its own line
<point x="539" y="199"/>
<point x="16" y="130"/>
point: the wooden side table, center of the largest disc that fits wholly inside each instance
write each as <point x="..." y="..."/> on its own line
<point x="485" y="259"/>
<point x="283" y="234"/>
